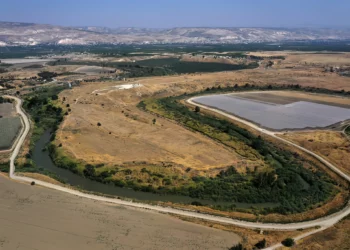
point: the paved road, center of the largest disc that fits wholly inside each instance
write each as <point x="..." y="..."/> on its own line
<point x="322" y="223"/>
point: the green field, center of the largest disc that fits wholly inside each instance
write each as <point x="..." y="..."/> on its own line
<point x="180" y="67"/>
<point x="163" y="66"/>
<point x="9" y="128"/>
<point x="145" y="50"/>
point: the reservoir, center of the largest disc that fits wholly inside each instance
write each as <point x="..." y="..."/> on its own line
<point x="296" y="115"/>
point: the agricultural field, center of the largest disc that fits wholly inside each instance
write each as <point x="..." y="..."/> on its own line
<point x="89" y="225"/>
<point x="94" y="70"/>
<point x="159" y="66"/>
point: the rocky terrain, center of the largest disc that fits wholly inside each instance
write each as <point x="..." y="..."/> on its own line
<point x="12" y="34"/>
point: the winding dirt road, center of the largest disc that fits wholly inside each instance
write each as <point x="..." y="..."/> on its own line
<point x="321" y="223"/>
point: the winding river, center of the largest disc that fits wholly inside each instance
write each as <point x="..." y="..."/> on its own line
<point x="43" y="160"/>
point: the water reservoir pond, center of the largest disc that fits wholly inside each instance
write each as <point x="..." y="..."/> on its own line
<point x="296" y="115"/>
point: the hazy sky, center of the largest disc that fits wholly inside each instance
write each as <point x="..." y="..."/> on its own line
<point x="179" y="13"/>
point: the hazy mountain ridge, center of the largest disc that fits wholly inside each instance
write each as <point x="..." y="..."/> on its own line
<point x="12" y="34"/>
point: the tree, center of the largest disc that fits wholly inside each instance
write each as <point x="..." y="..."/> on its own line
<point x="237" y="247"/>
<point x="54" y="97"/>
<point x="269" y="64"/>
<point x="196" y="203"/>
<point x="289" y="242"/>
<point x="99" y="124"/>
<point x="197" y="109"/>
<point x="154" y="121"/>
<point x="261" y="244"/>
<point x="128" y="171"/>
<point x="89" y="170"/>
<point x="47" y="75"/>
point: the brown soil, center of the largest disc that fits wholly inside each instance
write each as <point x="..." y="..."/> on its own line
<point x="128" y="134"/>
<point x="249" y="237"/>
<point x="33" y="217"/>
<point x="333" y="146"/>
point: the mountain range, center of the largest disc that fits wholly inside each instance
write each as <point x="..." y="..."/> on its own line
<point x="15" y="34"/>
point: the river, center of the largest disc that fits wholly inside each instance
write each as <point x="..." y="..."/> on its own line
<point x="42" y="160"/>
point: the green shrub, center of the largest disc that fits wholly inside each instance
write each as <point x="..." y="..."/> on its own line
<point x="289" y="242"/>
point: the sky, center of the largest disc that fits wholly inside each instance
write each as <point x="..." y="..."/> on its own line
<point x="179" y="13"/>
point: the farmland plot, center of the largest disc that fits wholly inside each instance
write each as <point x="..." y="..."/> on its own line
<point x="9" y="128"/>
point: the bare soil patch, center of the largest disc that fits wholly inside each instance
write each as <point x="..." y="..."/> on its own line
<point x="39" y="218"/>
<point x="128" y="134"/>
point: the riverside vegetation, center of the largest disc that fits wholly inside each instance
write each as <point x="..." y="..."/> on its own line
<point x="286" y="181"/>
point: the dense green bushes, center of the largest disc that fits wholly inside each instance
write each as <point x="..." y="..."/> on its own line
<point x="289" y="242"/>
<point x="5" y="167"/>
<point x="286" y="182"/>
<point x="347" y="130"/>
<point x="47" y="75"/>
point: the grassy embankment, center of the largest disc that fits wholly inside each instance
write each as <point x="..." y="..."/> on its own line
<point x="46" y="114"/>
